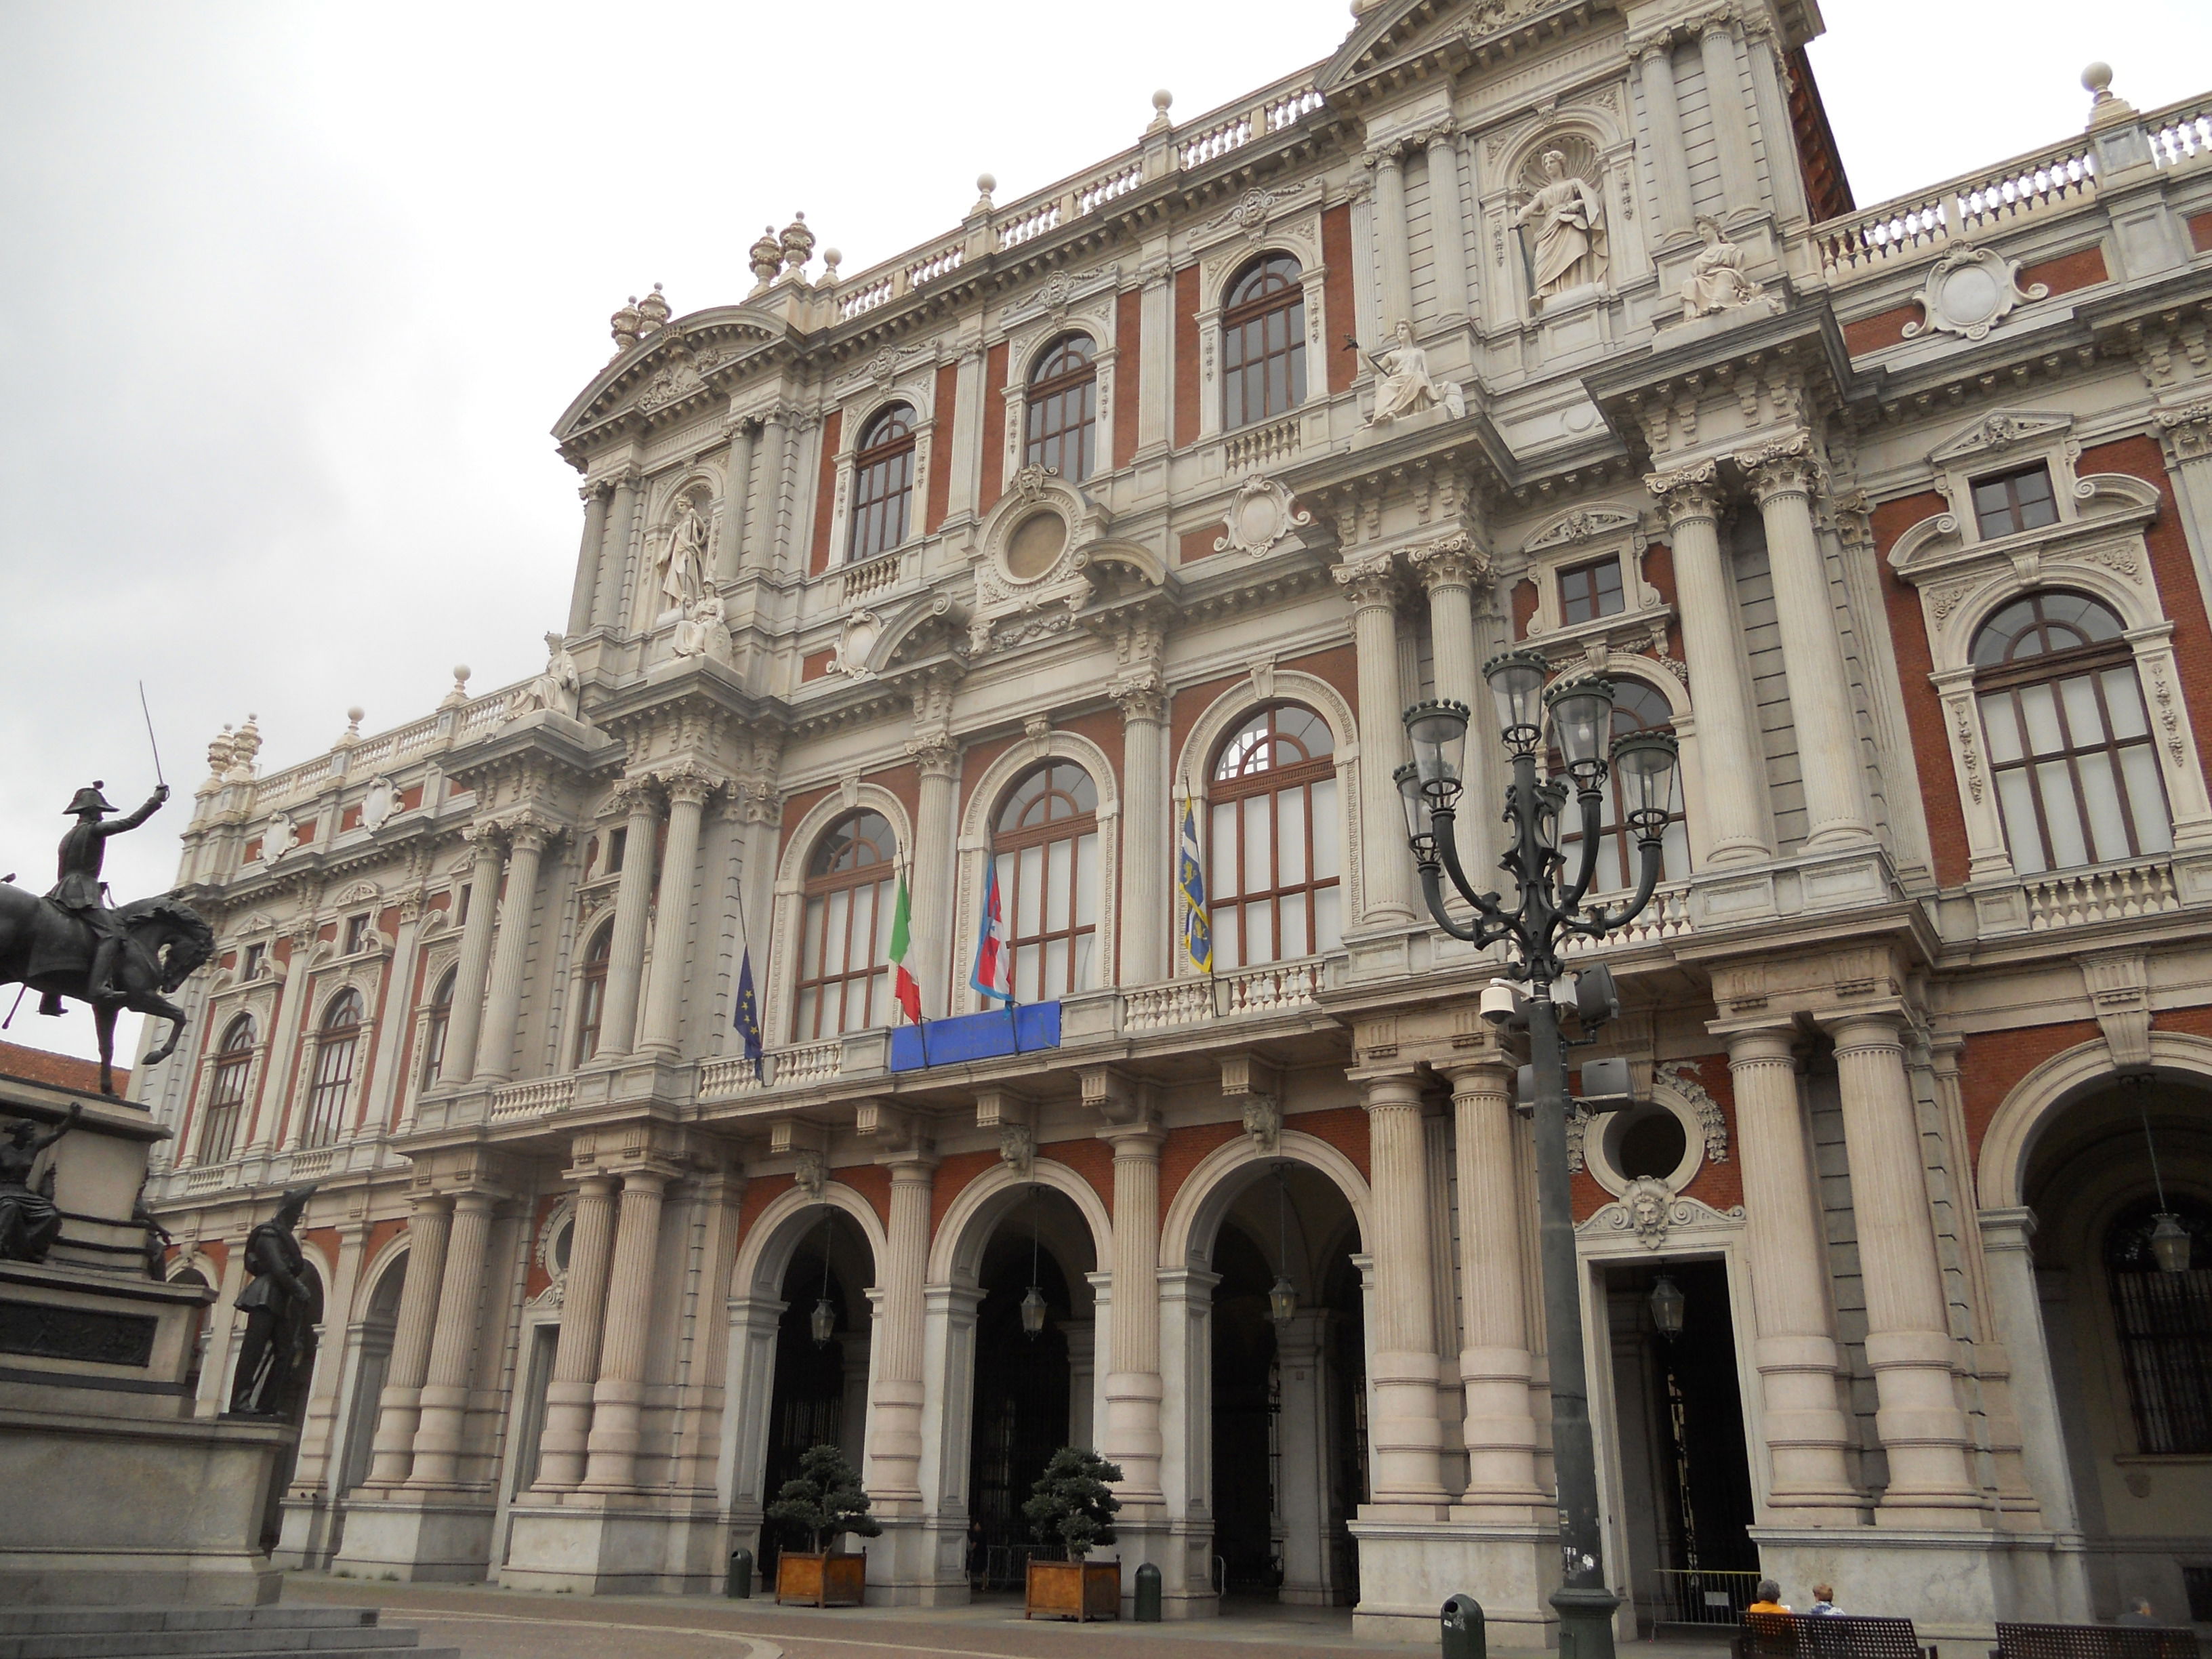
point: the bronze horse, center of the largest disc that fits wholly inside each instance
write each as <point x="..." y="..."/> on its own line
<point x="44" y="947"/>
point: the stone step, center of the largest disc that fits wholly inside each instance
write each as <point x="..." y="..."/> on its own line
<point x="275" y="1641"/>
<point x="24" y="1622"/>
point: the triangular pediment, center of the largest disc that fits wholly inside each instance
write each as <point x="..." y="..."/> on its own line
<point x="668" y="367"/>
<point x="2000" y="430"/>
<point x="1391" y="31"/>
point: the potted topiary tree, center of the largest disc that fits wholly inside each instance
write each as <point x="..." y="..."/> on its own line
<point x="1073" y="1506"/>
<point x="823" y="1504"/>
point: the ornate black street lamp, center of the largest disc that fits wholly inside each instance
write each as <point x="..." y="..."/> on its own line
<point x="1546" y="910"/>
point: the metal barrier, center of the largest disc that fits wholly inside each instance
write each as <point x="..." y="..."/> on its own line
<point x="1696" y="1595"/>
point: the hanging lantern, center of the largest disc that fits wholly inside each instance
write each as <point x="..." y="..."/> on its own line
<point x="1667" y="1305"/>
<point x="1282" y="1301"/>
<point x="2169" y="1242"/>
<point x="823" y="1323"/>
<point x="1033" y="1311"/>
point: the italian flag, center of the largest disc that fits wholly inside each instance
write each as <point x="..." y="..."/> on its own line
<point x="906" y="990"/>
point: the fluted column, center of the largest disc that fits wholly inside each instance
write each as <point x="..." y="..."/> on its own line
<point x="1731" y="107"/>
<point x="1147" y="830"/>
<point x="1132" y="1383"/>
<point x="577" y="1356"/>
<point x="1394" y="256"/>
<point x="730" y="559"/>
<point x="632" y="895"/>
<point x="672" y="943"/>
<point x="1909" y="1344"/>
<point x="588" y="554"/>
<point x="452" y="1344"/>
<point x="1794" y="1347"/>
<point x="1670" y="165"/>
<point x="895" y="1400"/>
<point x="614" y="554"/>
<point x="1448" y="571"/>
<point x="1448" y="218"/>
<point x="1405" y="1439"/>
<point x="618" y="1397"/>
<point x="1371" y="586"/>
<point x="937" y="758"/>
<point x="1729" y="760"/>
<point x="467" y="1018"/>
<point x="398" y="1409"/>
<point x="1496" y="1365"/>
<point x="503" y="1007"/>
<point x="764" y="535"/>
<point x="1822" y="706"/>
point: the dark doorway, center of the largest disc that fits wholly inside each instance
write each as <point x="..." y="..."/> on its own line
<point x="1246" y="1407"/>
<point x="1022" y="1396"/>
<point x="807" y="1406"/>
<point x="1686" y="1476"/>
<point x="1347" y="1354"/>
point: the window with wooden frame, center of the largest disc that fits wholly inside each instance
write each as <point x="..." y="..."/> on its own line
<point x="883" y="482"/>
<point x="2070" y="751"/>
<point x="1063" y="404"/>
<point x="2013" y="501"/>
<point x="1591" y="590"/>
<point x="844" y="981"/>
<point x="2164" y="1324"/>
<point x="1273" y="875"/>
<point x="1263" y="342"/>
<point x="591" y="992"/>
<point x="255" y="962"/>
<point x="233" y="1065"/>
<point x="337" y="1042"/>
<point x="442" y="1017"/>
<point x="1046" y="842"/>
<point x="357" y="934"/>
<point x="1637" y="706"/>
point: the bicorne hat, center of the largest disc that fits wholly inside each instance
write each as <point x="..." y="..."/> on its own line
<point x="90" y="800"/>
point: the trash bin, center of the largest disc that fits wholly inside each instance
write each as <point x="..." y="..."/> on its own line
<point x="1462" y="1632"/>
<point x="740" y="1586"/>
<point x="1148" y="1594"/>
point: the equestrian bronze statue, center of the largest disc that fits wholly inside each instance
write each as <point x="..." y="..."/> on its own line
<point x="72" y="943"/>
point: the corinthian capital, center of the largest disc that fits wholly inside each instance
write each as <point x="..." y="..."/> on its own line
<point x="529" y="829"/>
<point x="688" y="783"/>
<point x="935" y="753"/>
<point x="1456" y="561"/>
<point x="1687" y="492"/>
<point x="1370" y="581"/>
<point x="1784" y="467"/>
<point x="1141" y="695"/>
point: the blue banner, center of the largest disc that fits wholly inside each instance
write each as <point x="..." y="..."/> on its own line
<point x="1020" y="1030"/>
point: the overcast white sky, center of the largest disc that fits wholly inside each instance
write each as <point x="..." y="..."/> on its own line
<point x="290" y="294"/>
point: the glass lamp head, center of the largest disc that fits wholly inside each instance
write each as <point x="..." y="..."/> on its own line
<point x="1437" y="731"/>
<point x="1581" y="717"/>
<point x="1643" y="765"/>
<point x="1033" y="1311"/>
<point x="1517" y="685"/>
<point x="1415" y="803"/>
<point x="1668" y="1302"/>
<point x="2169" y="1242"/>
<point x="822" y="1322"/>
<point x="1282" y="1300"/>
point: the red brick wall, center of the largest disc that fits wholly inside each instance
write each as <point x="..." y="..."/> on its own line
<point x="815" y="663"/>
<point x="538" y="1279"/>
<point x="940" y="448"/>
<point x="994" y="427"/>
<point x="1128" y="373"/>
<point x="1884" y="328"/>
<point x="1923" y="709"/>
<point x="1194" y="544"/>
<point x="1524" y="607"/>
<point x="1659" y="570"/>
<point x="953" y="1175"/>
<point x="1992" y="1063"/>
<point x="1186" y="357"/>
<point x="1092" y="1159"/>
<point x="873" y="1182"/>
<point x="760" y="1192"/>
<point x="2200" y="232"/>
<point x="1336" y="294"/>
<point x="825" y="492"/>
<point x="2083" y="268"/>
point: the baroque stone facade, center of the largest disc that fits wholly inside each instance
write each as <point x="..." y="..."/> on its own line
<point x="1006" y="567"/>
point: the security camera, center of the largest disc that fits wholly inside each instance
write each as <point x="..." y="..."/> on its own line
<point x="1501" y="1002"/>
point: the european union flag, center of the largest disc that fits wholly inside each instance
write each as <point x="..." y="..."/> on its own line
<point x="1190" y="881"/>
<point x="748" y="1013"/>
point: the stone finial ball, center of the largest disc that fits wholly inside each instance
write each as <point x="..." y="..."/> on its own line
<point x="986" y="183"/>
<point x="460" y="673"/>
<point x="1162" y="99"/>
<point x="830" y="256"/>
<point x="356" y="712"/>
<point x="2097" y="77"/>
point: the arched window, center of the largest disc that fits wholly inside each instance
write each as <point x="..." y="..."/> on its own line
<point x="843" y="983"/>
<point x="1263" y="342"/>
<point x="1063" y="397"/>
<point x="1637" y="706"/>
<point x="336" y="1041"/>
<point x="2070" y="751"/>
<point x="1046" y="842"/>
<point x="234" y="1065"/>
<point x="883" y="481"/>
<point x="2164" y="1324"/>
<point x="1272" y="873"/>
<point x="441" y="1016"/>
<point x="591" y="992"/>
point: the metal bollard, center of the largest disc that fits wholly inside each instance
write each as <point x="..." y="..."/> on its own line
<point x="1148" y="1594"/>
<point x="740" y="1586"/>
<point x="1463" y="1634"/>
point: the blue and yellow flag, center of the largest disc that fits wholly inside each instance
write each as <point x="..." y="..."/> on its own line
<point x="747" y="1018"/>
<point x="1190" y="881"/>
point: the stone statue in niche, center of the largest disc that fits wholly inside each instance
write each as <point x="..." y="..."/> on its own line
<point x="29" y="1222"/>
<point x="683" y="566"/>
<point x="1716" y="281"/>
<point x="1402" y="386"/>
<point x="555" y="687"/>
<point x="279" y="1305"/>
<point x="701" y="633"/>
<point x="1568" y="219"/>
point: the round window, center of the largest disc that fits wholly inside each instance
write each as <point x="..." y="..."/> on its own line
<point x="1645" y="1142"/>
<point x="1036" y="546"/>
<point x="560" y="1250"/>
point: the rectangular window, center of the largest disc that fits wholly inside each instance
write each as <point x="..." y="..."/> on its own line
<point x="2015" y="501"/>
<point x="617" y="841"/>
<point x="257" y="962"/>
<point x="461" y="905"/>
<point x="226" y="1100"/>
<point x="357" y="934"/>
<point x="1589" y="591"/>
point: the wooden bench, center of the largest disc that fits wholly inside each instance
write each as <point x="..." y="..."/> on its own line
<point x="1828" y="1636"/>
<point x="2092" y="1642"/>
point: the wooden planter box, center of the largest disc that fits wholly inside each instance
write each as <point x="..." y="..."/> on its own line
<point x="1074" y="1589"/>
<point x="820" y="1581"/>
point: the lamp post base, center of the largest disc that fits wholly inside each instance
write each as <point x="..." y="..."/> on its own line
<point x="1585" y="1622"/>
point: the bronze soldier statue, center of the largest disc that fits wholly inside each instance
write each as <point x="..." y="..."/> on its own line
<point x="29" y="1221"/>
<point x="279" y="1305"/>
<point x="81" y="892"/>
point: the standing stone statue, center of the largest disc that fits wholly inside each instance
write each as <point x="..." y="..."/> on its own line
<point x="684" y="576"/>
<point x="81" y="892"/>
<point x="1569" y="220"/>
<point x="279" y="1305"/>
<point x="29" y="1221"/>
